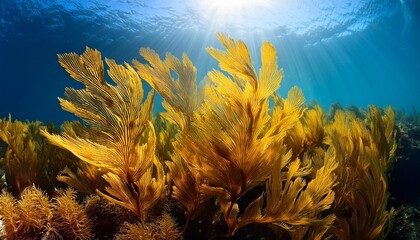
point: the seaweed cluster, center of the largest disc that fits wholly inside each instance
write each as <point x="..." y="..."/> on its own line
<point x="35" y="216"/>
<point x="228" y="159"/>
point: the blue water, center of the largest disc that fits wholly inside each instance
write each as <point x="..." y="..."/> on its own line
<point x="347" y="51"/>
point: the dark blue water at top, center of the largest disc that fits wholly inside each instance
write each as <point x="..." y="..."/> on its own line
<point x="352" y="52"/>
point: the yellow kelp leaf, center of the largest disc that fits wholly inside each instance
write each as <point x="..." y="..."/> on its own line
<point x="120" y="139"/>
<point x="236" y="60"/>
<point x="228" y="137"/>
<point x="287" y="112"/>
<point x="87" y="178"/>
<point x="253" y="212"/>
<point x="22" y="164"/>
<point x="115" y="114"/>
<point x="383" y="134"/>
<point x="319" y="190"/>
<point x="225" y="86"/>
<point x="293" y="202"/>
<point x="270" y="76"/>
<point x="137" y="196"/>
<point x="296" y="139"/>
<point x="87" y="68"/>
<point x="182" y="95"/>
<point x="314" y="121"/>
<point x="294" y="102"/>
<point x="151" y="185"/>
<point x="187" y="184"/>
<point x="389" y="120"/>
<point x="165" y="137"/>
<point x="364" y="153"/>
<point x="119" y="193"/>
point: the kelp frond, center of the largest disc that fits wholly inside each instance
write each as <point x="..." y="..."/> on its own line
<point x="232" y="152"/>
<point x="149" y="190"/>
<point x="122" y="139"/>
<point x="35" y="216"/>
<point x="29" y="217"/>
<point x="86" y="179"/>
<point x="181" y="96"/>
<point x="234" y="139"/>
<point x="135" y="231"/>
<point x="9" y="215"/>
<point x="164" y="228"/>
<point x="70" y="218"/>
<point x="20" y="154"/>
<point x="167" y="228"/>
<point x="364" y="154"/>
<point x="229" y="127"/>
<point x="301" y="173"/>
<point x="114" y="113"/>
<point x="35" y="210"/>
<point x="292" y="203"/>
<point x="187" y="183"/>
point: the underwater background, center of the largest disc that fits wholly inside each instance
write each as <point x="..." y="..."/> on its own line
<point x="347" y="52"/>
<point x="345" y="56"/>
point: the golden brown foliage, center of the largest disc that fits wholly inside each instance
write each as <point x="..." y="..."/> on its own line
<point x="35" y="210"/>
<point x="364" y="153"/>
<point x="182" y="97"/>
<point x="34" y="216"/>
<point x="21" y="160"/>
<point x="165" y="137"/>
<point x="230" y="142"/>
<point x="87" y="178"/>
<point x="163" y="228"/>
<point x="122" y="140"/>
<point x="9" y="215"/>
<point x="70" y="218"/>
<point x="28" y="158"/>
<point x="291" y="167"/>
<point x="106" y="217"/>
<point x="135" y="231"/>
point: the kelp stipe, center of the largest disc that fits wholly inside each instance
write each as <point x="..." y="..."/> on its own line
<point x="122" y="141"/>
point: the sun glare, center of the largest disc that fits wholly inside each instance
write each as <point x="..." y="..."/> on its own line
<point x="223" y="14"/>
<point x="223" y="6"/>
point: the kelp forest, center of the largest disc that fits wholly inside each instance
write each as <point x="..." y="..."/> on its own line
<point x="228" y="158"/>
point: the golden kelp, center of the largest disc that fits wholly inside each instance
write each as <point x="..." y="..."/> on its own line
<point x="231" y="141"/>
<point x="230" y="157"/>
<point x="122" y="141"/>
<point x="34" y="216"/>
<point x="364" y="153"/>
<point x="28" y="158"/>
